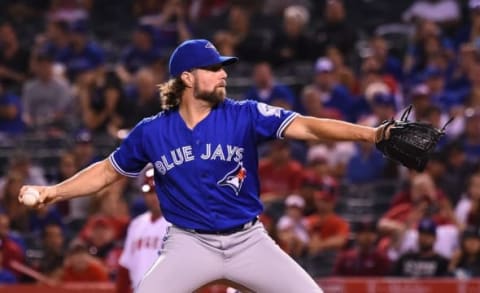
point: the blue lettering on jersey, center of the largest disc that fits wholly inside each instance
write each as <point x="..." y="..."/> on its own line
<point x="205" y="177"/>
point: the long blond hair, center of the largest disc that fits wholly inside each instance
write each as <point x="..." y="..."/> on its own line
<point x="171" y="93"/>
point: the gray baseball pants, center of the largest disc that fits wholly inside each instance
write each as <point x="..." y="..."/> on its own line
<point x="250" y="258"/>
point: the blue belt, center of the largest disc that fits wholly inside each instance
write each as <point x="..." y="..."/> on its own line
<point x="226" y="231"/>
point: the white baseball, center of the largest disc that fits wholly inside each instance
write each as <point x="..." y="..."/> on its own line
<point x="30" y="197"/>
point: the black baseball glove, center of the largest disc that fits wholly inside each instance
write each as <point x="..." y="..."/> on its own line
<point x="409" y="143"/>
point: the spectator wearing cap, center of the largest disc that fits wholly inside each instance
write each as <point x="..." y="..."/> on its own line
<point x="364" y="259"/>
<point x="425" y="263"/>
<point x="11" y="110"/>
<point x="291" y="231"/>
<point x="83" y="54"/>
<point x="435" y="79"/>
<point x="47" y="100"/>
<point x="333" y="94"/>
<point x="144" y="238"/>
<point x="142" y="52"/>
<point x="328" y="235"/>
<point x="80" y="266"/>
<point x="293" y="43"/>
<point x="267" y="90"/>
<point x="465" y="263"/>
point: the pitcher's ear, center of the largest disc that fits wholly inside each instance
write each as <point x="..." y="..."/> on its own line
<point x="187" y="78"/>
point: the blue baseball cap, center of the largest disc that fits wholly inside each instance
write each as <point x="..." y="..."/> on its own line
<point x="196" y="53"/>
<point x="428" y="226"/>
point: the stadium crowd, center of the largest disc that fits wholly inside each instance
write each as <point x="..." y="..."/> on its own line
<point x="76" y="75"/>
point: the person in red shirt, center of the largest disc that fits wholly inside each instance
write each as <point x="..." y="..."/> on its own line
<point x="328" y="235"/>
<point x="279" y="174"/>
<point x="80" y="266"/>
<point x="364" y="259"/>
<point x="10" y="249"/>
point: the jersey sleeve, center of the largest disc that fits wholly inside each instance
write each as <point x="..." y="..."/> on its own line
<point x="130" y="157"/>
<point x="270" y="121"/>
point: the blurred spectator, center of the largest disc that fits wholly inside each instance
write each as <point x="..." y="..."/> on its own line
<point x="470" y="139"/>
<point x="144" y="239"/>
<point x="83" y="54"/>
<point x="55" y="41"/>
<point x="421" y="186"/>
<point x="171" y="21"/>
<point x="459" y="168"/>
<point x="344" y="74"/>
<point x="10" y="249"/>
<point x="293" y="43"/>
<point x="6" y="276"/>
<point x="267" y="90"/>
<point x="13" y="59"/>
<point x="240" y="39"/>
<point x="11" y="111"/>
<point x="142" y="52"/>
<point x="46" y="98"/>
<point x="101" y="242"/>
<point x="469" y="201"/>
<point x="51" y="251"/>
<point x="312" y="104"/>
<point x="333" y="94"/>
<point x="427" y="42"/>
<point x="335" y="29"/>
<point x="366" y="165"/>
<point x="143" y="98"/>
<point x="17" y="213"/>
<point x="326" y="160"/>
<point x="426" y="263"/>
<point x="328" y="234"/>
<point x="364" y="259"/>
<point x="42" y="217"/>
<point x="465" y="263"/>
<point x="389" y="64"/>
<point x="200" y="9"/>
<point x="437" y="169"/>
<point x="102" y="101"/>
<point x="79" y="266"/>
<point x="291" y="231"/>
<point x="279" y="173"/>
<point x="470" y="32"/>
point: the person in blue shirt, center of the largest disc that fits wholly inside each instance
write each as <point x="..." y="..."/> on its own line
<point x="203" y="147"/>
<point x="11" y="122"/>
<point x="267" y="90"/>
